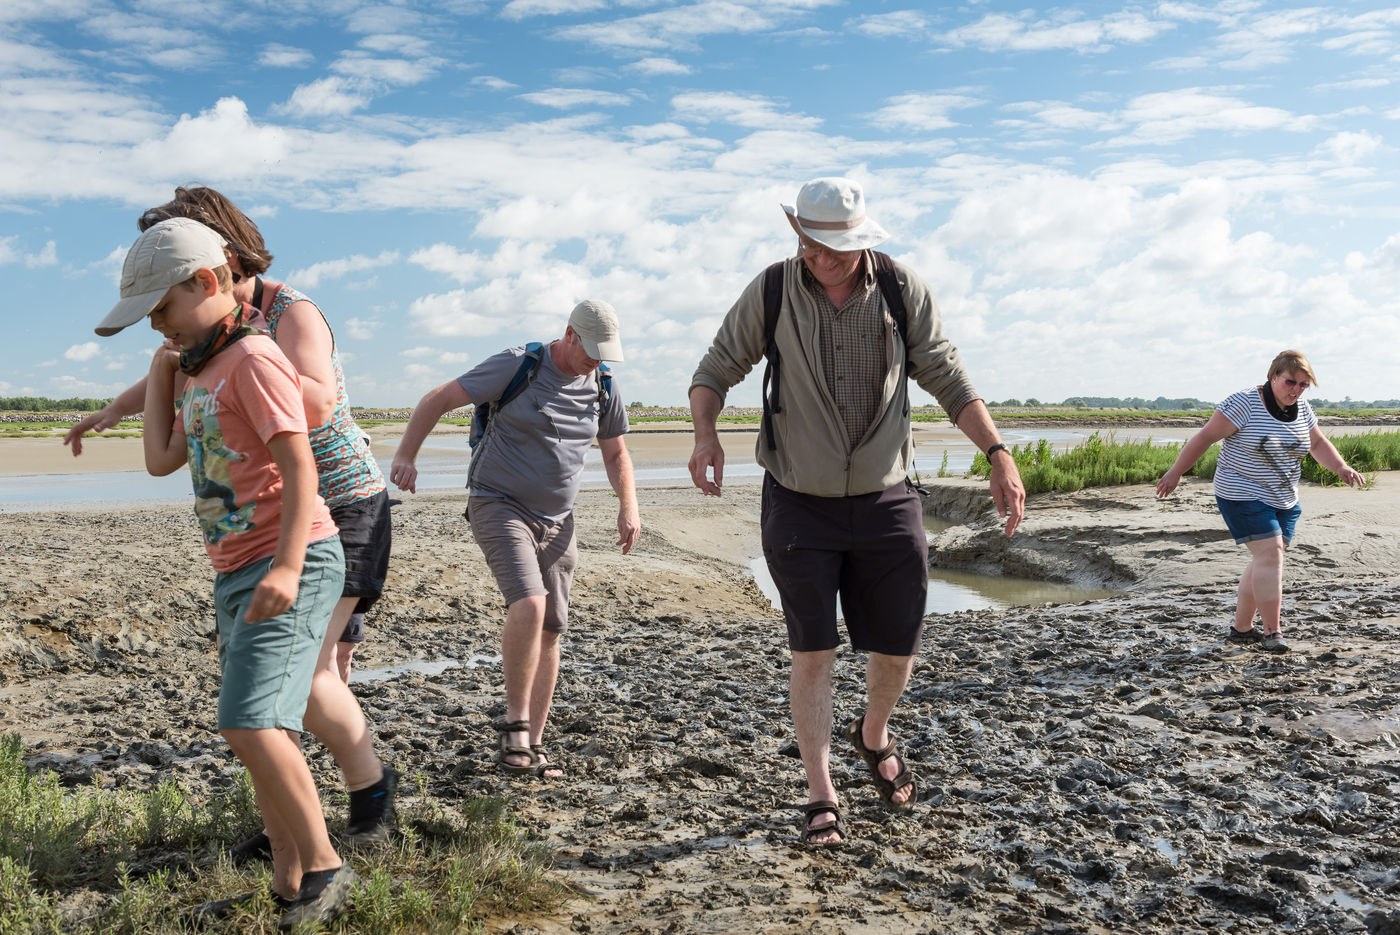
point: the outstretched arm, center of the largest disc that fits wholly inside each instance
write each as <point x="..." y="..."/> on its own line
<point x="1219" y="427"/>
<point x="129" y="402"/>
<point x="1008" y="493"/>
<point x="619" y="467"/>
<point x="426" y="414"/>
<point x="1326" y="454"/>
<point x="705" y="405"/>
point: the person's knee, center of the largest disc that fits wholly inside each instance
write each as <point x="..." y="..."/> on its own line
<point x="528" y="610"/>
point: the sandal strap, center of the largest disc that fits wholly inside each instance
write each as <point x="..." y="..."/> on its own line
<point x="511" y="727"/>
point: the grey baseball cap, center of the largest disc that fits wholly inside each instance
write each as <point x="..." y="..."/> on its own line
<point x="164" y="255"/>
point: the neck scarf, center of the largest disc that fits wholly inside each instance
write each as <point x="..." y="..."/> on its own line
<point x="226" y="332"/>
<point x="1282" y="413"/>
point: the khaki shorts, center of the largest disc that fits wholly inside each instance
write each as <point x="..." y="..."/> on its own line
<point x="528" y="556"/>
<point x="267" y="666"/>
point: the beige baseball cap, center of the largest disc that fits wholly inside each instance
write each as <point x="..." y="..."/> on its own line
<point x="165" y="255"/>
<point x="595" y="323"/>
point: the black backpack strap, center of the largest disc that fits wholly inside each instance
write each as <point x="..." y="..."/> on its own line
<point x="894" y="296"/>
<point x="772" y="306"/>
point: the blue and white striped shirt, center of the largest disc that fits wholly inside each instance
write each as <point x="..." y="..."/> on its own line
<point x="1263" y="460"/>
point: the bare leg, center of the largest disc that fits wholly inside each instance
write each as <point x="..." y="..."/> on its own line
<point x="520" y="660"/>
<point x="809" y="694"/>
<point x="1266" y="574"/>
<point x="1245" y="607"/>
<point x="885" y="679"/>
<point x="344" y="654"/>
<point x="333" y="714"/>
<point x="542" y="692"/>
<point x="290" y="807"/>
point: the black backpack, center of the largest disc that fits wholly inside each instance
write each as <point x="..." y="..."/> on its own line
<point x="772" y="307"/>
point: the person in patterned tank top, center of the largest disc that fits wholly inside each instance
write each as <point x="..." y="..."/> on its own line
<point x="349" y="480"/>
<point x="1264" y="433"/>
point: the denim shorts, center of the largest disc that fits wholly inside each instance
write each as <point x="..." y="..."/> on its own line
<point x="1254" y="519"/>
<point x="266" y="667"/>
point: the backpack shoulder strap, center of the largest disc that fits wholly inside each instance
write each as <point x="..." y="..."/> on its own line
<point x="523" y="374"/>
<point x="603" y="376"/>
<point x="772" y="307"/>
<point x="888" y="281"/>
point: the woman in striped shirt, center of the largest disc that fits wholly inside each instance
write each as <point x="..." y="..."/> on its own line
<point x="1265" y="431"/>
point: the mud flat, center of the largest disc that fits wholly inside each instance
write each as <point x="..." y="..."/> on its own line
<point x="1102" y="767"/>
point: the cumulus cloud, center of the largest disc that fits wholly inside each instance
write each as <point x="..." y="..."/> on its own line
<point x="362" y="329"/>
<point x="1349" y="148"/>
<point x="1172" y="116"/>
<point x="524" y="9"/>
<point x="682" y="27"/>
<point x="327" y="97"/>
<point x="1023" y="32"/>
<point x="85" y="351"/>
<point x="11" y="252"/>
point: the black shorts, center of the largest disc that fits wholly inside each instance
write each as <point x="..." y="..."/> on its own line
<point x="365" y="533"/>
<point x="870" y="549"/>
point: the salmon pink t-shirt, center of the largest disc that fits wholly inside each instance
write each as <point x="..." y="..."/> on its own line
<point x="245" y="395"/>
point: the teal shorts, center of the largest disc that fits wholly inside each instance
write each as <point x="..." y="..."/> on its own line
<point x="267" y="666"/>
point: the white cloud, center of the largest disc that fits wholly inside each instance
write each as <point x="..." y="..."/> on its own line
<point x="327" y="97"/>
<point x="523" y="9"/>
<point x="362" y="329"/>
<point x="493" y="83"/>
<point x="1171" y="116"/>
<point x="1350" y="148"/>
<point x="85" y="351"/>
<point x="312" y="276"/>
<point x="999" y="32"/>
<point x="659" y="65"/>
<point x="744" y="110"/>
<point x="277" y="55"/>
<point x="901" y="24"/>
<point x="11" y="252"/>
<point x="682" y="27"/>
<point x="926" y="112"/>
<point x="568" y="98"/>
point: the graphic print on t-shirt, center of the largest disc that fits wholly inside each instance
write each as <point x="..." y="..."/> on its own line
<point x="1281" y="451"/>
<point x="215" y="504"/>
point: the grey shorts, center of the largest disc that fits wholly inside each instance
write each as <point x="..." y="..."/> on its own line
<point x="528" y="556"/>
<point x="266" y="667"/>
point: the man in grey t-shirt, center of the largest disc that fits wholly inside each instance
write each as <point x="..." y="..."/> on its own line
<point x="524" y="475"/>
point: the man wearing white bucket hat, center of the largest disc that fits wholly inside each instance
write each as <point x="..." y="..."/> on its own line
<point x="844" y="329"/>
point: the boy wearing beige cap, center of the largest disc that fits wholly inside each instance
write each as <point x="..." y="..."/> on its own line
<point x="240" y="425"/>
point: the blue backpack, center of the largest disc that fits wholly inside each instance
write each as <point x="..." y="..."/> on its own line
<point x="481" y="412"/>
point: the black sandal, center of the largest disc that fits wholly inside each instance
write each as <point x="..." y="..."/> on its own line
<point x="504" y="749"/>
<point x="873" y="759"/>
<point x="541" y="767"/>
<point x="812" y="809"/>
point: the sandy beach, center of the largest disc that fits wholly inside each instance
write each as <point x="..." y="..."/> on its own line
<point x="1103" y="767"/>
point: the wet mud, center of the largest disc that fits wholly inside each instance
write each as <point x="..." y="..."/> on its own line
<point x="1105" y="767"/>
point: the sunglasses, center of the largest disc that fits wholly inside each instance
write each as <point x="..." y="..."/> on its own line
<point x="1296" y="384"/>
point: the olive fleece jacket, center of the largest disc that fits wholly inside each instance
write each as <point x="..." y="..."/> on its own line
<point x="812" y="455"/>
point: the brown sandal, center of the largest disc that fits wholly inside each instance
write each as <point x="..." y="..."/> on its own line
<point x="873" y="759"/>
<point x="812" y="809"/>
<point x="504" y="749"/>
<point x="541" y="766"/>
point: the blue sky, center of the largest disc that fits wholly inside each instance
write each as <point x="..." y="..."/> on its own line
<point x="1106" y="200"/>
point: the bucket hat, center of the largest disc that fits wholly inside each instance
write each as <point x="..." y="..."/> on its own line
<point x="831" y="211"/>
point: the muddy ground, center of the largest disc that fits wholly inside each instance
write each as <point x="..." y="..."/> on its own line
<point x="1105" y="767"/>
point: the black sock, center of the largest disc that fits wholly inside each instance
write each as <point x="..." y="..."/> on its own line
<point x="314" y="882"/>
<point x="368" y="802"/>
